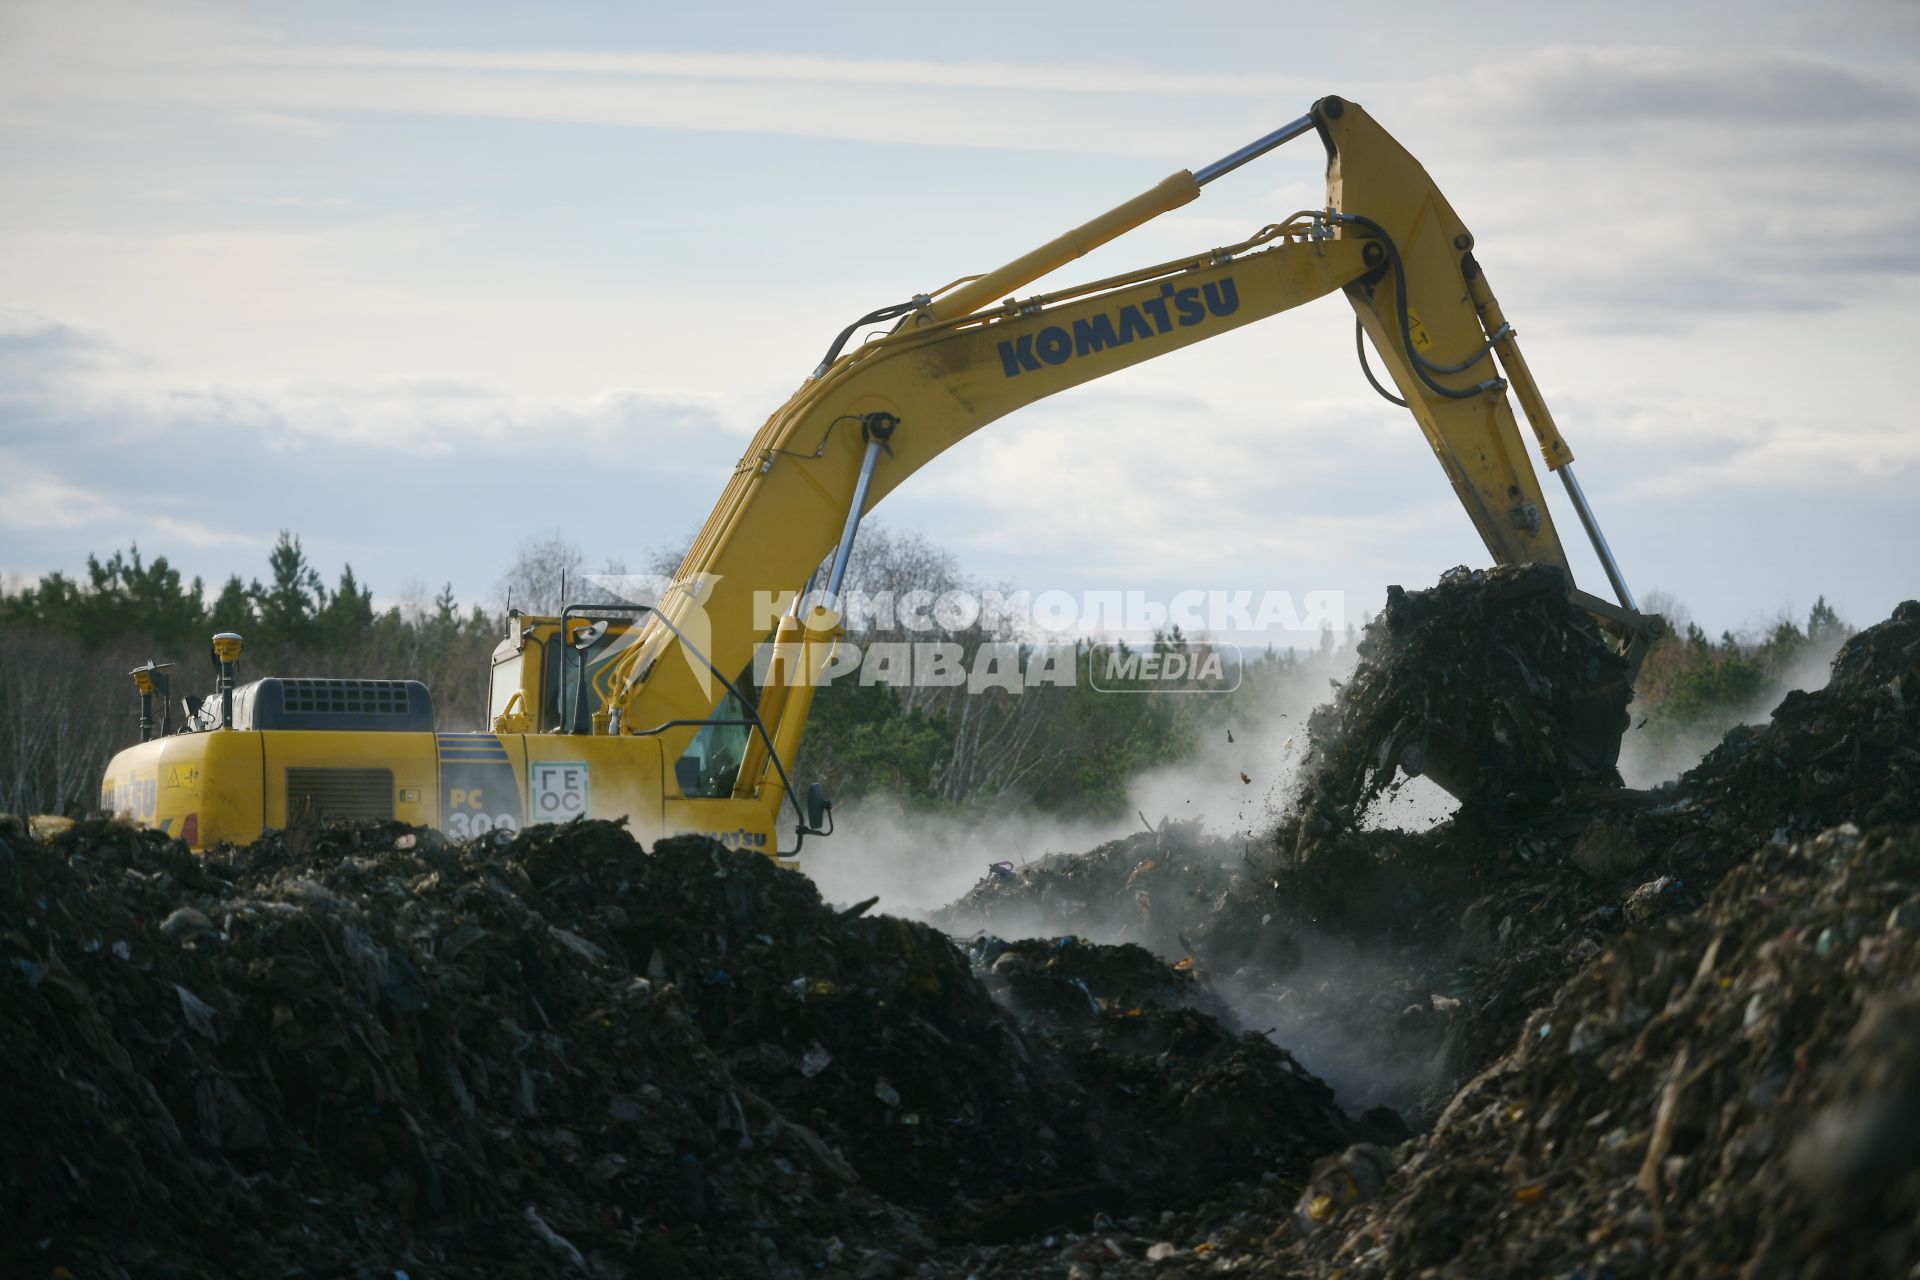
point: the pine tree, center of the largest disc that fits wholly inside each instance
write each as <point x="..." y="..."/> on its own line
<point x="233" y="610"/>
<point x="291" y="605"/>
<point x="347" y="617"/>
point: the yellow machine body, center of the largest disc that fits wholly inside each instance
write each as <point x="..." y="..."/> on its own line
<point x="230" y="785"/>
<point x="644" y="729"/>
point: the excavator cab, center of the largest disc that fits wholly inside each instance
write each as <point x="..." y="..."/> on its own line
<point x="550" y="673"/>
<point x="554" y="674"/>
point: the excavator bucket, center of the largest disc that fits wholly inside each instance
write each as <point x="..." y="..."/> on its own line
<point x="1493" y="684"/>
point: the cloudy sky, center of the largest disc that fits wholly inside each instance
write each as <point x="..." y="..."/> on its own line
<point x="421" y="282"/>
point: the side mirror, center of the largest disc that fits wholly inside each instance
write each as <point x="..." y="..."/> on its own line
<point x="818" y="806"/>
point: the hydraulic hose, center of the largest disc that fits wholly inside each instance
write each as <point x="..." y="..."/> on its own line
<point x="1423" y="368"/>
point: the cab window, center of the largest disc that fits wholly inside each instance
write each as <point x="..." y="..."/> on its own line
<point x="503" y="684"/>
<point x="711" y="764"/>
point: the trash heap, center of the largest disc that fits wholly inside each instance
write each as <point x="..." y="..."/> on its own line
<point x="1398" y="964"/>
<point x="370" y="1050"/>
<point x="1733" y="1091"/>
<point x="1151" y="888"/>
<point x="1845" y="753"/>
<point x="1666" y="1033"/>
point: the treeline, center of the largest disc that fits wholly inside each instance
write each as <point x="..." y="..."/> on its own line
<point x="66" y="704"/>
<point x="1691" y="680"/>
<point x="1067" y="748"/>
<point x="67" y="643"/>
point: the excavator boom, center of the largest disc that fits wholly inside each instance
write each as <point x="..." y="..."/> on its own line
<point x="1388" y="239"/>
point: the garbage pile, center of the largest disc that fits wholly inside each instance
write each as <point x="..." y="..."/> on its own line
<point x="1151" y="888"/>
<point x="1845" y="753"/>
<point x="1736" y="1090"/>
<point x="1397" y="964"/>
<point x="1662" y="1033"/>
<point x="369" y="1051"/>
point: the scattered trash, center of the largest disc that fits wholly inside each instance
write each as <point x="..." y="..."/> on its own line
<point x="1338" y="1183"/>
<point x="186" y="922"/>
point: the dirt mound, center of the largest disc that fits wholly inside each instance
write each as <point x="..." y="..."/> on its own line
<point x="1734" y="1091"/>
<point x="1625" y="1081"/>
<point x="1847" y="753"/>
<point x="556" y="1052"/>
<point x="371" y="1054"/>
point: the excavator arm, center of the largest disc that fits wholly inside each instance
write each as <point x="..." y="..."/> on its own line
<point x="957" y="360"/>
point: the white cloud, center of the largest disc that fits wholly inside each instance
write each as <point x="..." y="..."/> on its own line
<point x="285" y="125"/>
<point x="1118" y="485"/>
<point x="34" y="498"/>
<point x="795" y="69"/>
<point x="1757" y="90"/>
<point x="1796" y="456"/>
<point x="154" y="60"/>
<point x="424" y="416"/>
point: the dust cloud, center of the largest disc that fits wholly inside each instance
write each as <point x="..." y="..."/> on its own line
<point x="918" y="861"/>
<point x="1651" y="754"/>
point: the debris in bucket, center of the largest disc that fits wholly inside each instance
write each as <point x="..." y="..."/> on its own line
<point x="1493" y="682"/>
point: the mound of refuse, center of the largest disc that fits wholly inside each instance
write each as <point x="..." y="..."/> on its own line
<point x="1151" y="888"/>
<point x="1736" y="1090"/>
<point x="1397" y="964"/>
<point x="1846" y="753"/>
<point x="1648" y="1033"/>
<point x="371" y="1051"/>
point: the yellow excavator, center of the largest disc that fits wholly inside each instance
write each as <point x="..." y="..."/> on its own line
<point x="651" y="711"/>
